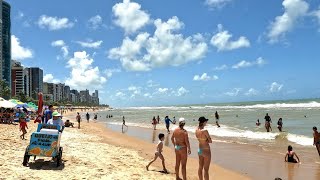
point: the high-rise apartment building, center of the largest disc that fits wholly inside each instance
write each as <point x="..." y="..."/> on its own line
<point x="35" y="81"/>
<point x="17" y="78"/>
<point x="5" y="43"/>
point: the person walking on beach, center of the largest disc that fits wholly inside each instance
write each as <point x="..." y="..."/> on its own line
<point x="78" y="118"/>
<point x="154" y="122"/>
<point x="88" y="116"/>
<point x="268" y="122"/>
<point x="123" y="122"/>
<point x="180" y="141"/>
<point x="316" y="139"/>
<point x="217" y="118"/>
<point x="290" y="156"/>
<point x="158" y="153"/>
<point x="23" y="125"/>
<point x="204" y="151"/>
<point x="167" y="121"/>
<point x="280" y="124"/>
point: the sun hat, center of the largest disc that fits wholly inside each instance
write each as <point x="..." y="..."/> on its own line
<point x="56" y="114"/>
<point x="182" y="120"/>
<point x="202" y="119"/>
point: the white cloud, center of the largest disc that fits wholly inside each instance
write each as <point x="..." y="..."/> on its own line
<point x="251" y="92"/>
<point x="110" y="72"/>
<point x="163" y="90"/>
<point x="204" y="77"/>
<point x="64" y="47"/>
<point x="129" y="16"/>
<point x="95" y="22"/>
<point x="58" y="43"/>
<point x="120" y="94"/>
<point x="222" y="40"/>
<point x="50" y="79"/>
<point x="293" y="10"/>
<point x="162" y="49"/>
<point x="275" y="87"/>
<point x="90" y="44"/>
<point x="17" y="51"/>
<point x="220" y="68"/>
<point x="151" y="84"/>
<point x="216" y="3"/>
<point x="54" y="23"/>
<point x="244" y="64"/>
<point x="148" y="95"/>
<point x="233" y="92"/>
<point x="181" y="91"/>
<point x="316" y="14"/>
<point x="83" y="75"/>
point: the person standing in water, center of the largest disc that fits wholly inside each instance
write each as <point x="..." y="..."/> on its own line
<point x="217" y="118"/>
<point x="204" y="151"/>
<point x="154" y="122"/>
<point x="316" y="139"/>
<point x="158" y="119"/>
<point x="258" y="123"/>
<point x="290" y="156"/>
<point x="124" y="122"/>
<point x="158" y="153"/>
<point x="180" y="141"/>
<point x="268" y="122"/>
<point x="280" y="124"/>
<point x="167" y="121"/>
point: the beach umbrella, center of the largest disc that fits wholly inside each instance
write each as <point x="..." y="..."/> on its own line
<point x="6" y="104"/>
<point x="40" y="106"/>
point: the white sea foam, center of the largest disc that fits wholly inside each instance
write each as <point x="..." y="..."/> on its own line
<point x="308" y="105"/>
<point x="300" y="139"/>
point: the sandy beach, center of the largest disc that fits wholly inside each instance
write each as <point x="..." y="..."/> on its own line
<point x="93" y="152"/>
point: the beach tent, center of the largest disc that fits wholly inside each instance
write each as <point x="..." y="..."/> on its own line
<point x="6" y="104"/>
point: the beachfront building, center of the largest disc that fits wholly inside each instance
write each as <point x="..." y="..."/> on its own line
<point x="48" y="91"/>
<point x="67" y="92"/>
<point x="58" y="92"/>
<point x="5" y="43"/>
<point x="85" y="96"/>
<point x="95" y="97"/>
<point x="17" y="78"/>
<point x="75" y="96"/>
<point x="35" y="81"/>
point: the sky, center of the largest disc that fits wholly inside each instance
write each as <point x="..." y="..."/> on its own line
<point x="172" y="52"/>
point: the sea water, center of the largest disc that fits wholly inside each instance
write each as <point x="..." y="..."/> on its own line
<point x="237" y="120"/>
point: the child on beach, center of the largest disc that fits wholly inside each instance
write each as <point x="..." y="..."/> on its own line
<point x="290" y="156"/>
<point x="23" y="125"/>
<point x="158" y="153"/>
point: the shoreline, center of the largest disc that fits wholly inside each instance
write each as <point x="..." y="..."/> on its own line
<point x="92" y="152"/>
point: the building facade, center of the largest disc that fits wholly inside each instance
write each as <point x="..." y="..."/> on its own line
<point x="48" y="89"/>
<point x="5" y="43"/>
<point x="35" y="81"/>
<point x="17" y="78"/>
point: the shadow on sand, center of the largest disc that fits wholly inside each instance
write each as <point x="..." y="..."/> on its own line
<point x="41" y="164"/>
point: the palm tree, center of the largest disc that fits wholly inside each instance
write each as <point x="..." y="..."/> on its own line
<point x="5" y="91"/>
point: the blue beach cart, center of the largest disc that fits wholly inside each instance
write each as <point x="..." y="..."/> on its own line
<point x="44" y="142"/>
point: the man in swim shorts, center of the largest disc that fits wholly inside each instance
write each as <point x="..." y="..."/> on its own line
<point x="268" y="122"/>
<point x="167" y="121"/>
<point x="316" y="138"/>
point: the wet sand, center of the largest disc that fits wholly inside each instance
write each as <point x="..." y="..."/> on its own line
<point x="254" y="161"/>
<point x="93" y="152"/>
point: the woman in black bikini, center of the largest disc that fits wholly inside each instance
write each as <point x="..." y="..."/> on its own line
<point x="290" y="156"/>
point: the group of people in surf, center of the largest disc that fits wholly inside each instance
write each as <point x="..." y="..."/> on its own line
<point x="180" y="141"/>
<point x="268" y="122"/>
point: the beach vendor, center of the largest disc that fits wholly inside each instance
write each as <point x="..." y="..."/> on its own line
<point x="23" y="125"/>
<point x="56" y="120"/>
<point x="48" y="114"/>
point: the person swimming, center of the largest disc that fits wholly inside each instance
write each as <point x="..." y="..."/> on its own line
<point x="258" y="123"/>
<point x="290" y="156"/>
<point x="204" y="151"/>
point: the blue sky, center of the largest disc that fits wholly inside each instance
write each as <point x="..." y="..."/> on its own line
<point x="151" y="53"/>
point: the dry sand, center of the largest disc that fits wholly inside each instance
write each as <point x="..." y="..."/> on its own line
<point x="93" y="152"/>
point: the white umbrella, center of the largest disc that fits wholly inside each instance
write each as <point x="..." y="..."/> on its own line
<point x="6" y="104"/>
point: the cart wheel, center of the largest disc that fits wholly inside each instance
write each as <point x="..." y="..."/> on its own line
<point x="59" y="158"/>
<point x="26" y="157"/>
